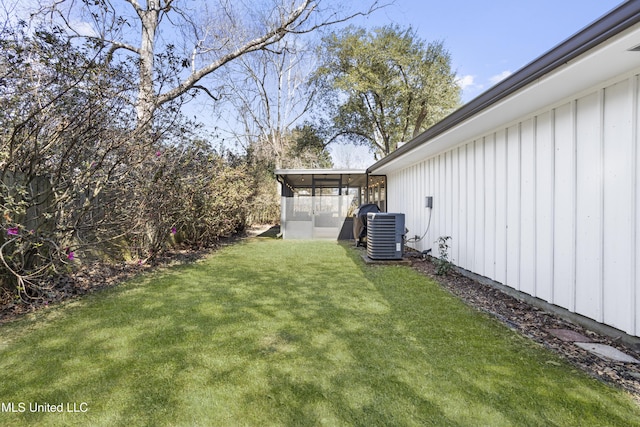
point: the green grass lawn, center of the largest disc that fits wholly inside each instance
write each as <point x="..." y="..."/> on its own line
<point x="284" y="333"/>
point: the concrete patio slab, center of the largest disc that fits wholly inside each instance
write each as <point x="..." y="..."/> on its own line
<point x="568" y="335"/>
<point x="607" y="352"/>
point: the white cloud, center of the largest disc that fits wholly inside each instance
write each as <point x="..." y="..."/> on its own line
<point x="499" y="77"/>
<point x="469" y="87"/>
<point x="466" y="81"/>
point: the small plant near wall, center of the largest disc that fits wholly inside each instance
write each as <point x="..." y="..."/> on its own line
<point x="443" y="262"/>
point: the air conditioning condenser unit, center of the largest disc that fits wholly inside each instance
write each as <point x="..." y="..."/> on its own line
<point x="385" y="235"/>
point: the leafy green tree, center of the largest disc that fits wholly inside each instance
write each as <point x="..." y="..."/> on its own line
<point x="385" y="86"/>
<point x="308" y="149"/>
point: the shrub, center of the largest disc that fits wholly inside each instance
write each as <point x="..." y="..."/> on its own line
<point x="443" y="263"/>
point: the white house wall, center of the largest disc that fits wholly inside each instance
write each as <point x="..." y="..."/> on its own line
<point x="548" y="204"/>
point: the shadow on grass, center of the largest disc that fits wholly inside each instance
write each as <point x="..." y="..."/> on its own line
<point x="268" y="332"/>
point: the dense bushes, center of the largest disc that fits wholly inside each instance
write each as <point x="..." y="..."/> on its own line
<point x="79" y="182"/>
<point x="196" y="195"/>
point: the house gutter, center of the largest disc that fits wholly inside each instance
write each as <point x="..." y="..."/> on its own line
<point x="624" y="16"/>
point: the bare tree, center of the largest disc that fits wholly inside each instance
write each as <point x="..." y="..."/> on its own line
<point x="270" y="95"/>
<point x="196" y="42"/>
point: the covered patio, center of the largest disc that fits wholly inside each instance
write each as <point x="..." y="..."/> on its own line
<point x="319" y="203"/>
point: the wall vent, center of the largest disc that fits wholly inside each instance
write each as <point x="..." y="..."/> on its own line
<point x="385" y="232"/>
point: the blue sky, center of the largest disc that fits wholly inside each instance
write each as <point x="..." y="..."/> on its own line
<point x="490" y="39"/>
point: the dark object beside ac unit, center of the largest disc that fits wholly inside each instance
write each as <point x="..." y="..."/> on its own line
<point x="385" y="235"/>
<point x="360" y="221"/>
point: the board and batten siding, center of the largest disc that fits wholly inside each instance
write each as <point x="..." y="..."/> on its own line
<point x="548" y="205"/>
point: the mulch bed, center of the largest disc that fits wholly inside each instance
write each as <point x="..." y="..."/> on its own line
<point x="535" y="324"/>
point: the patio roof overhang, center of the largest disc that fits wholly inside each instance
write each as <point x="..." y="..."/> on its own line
<point x="322" y="178"/>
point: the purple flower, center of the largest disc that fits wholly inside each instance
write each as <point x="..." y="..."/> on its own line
<point x="71" y="256"/>
<point x="13" y="231"/>
<point x="173" y="230"/>
<point x="158" y="153"/>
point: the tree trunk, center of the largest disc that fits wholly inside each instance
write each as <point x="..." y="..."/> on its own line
<point x="417" y="129"/>
<point x="146" y="102"/>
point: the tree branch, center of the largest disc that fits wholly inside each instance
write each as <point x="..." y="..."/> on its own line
<point x="205" y="90"/>
<point x="258" y="43"/>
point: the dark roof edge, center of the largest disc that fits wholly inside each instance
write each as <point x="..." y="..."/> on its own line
<point x="616" y="21"/>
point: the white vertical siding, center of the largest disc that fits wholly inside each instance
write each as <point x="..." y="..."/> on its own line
<point x="618" y="206"/>
<point x="589" y="205"/>
<point x="501" y="207"/>
<point x="527" y="207"/>
<point x="449" y="201"/>
<point x="461" y="244"/>
<point x="470" y="234"/>
<point x="479" y="201"/>
<point x="544" y="205"/>
<point x="489" y="237"/>
<point x="564" y="207"/>
<point x="513" y="206"/>
<point x="456" y="177"/>
<point x="549" y="204"/>
<point x="441" y="192"/>
<point x="635" y="88"/>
